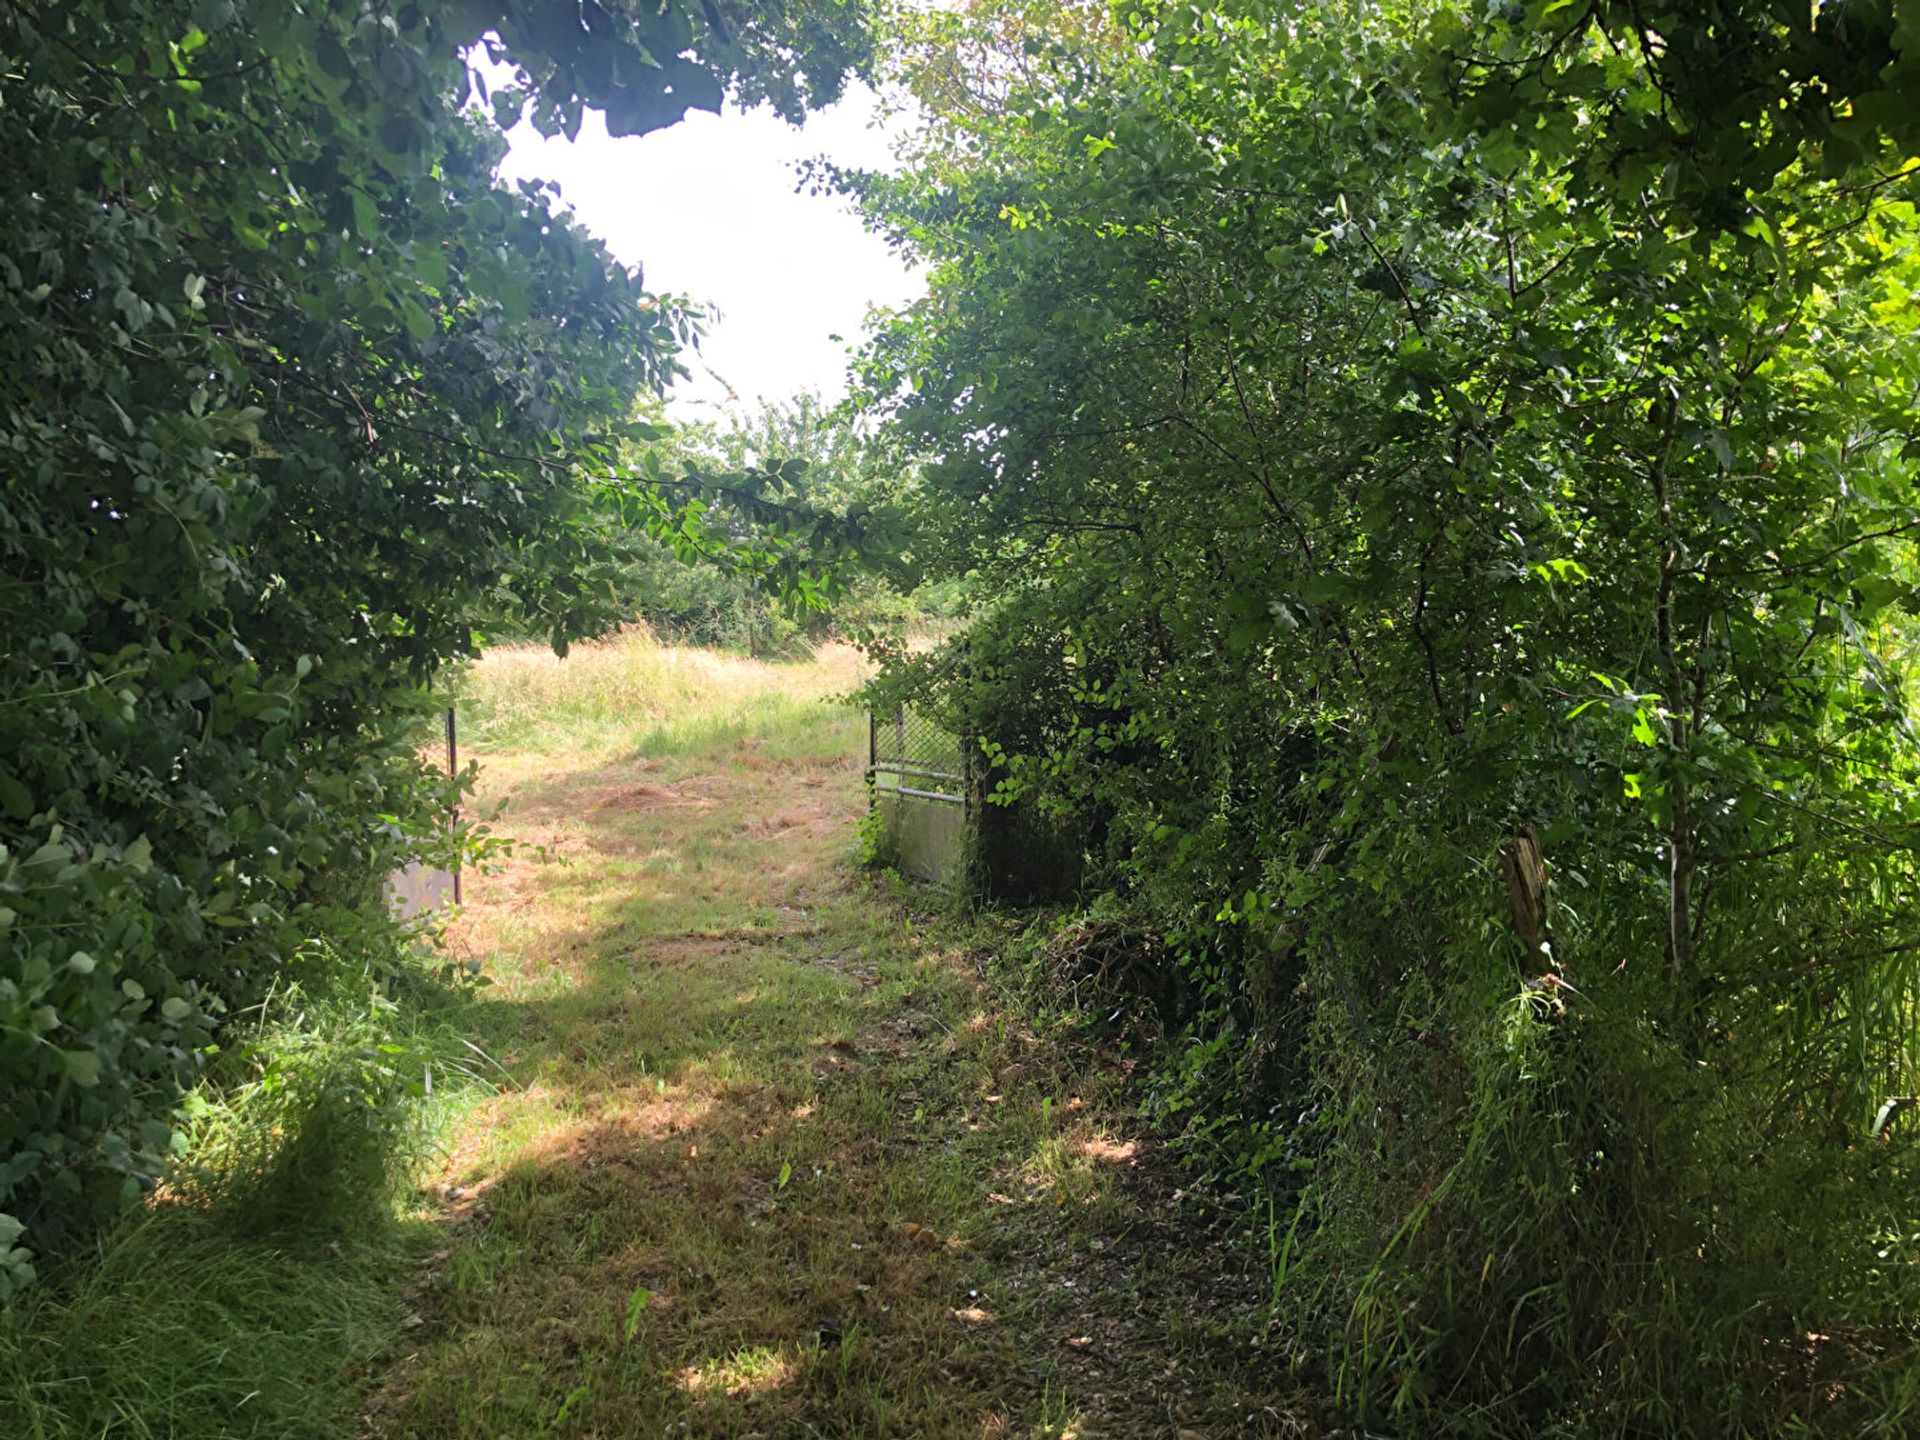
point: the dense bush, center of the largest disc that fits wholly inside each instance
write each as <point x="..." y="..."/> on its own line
<point x="1443" y="481"/>
<point x="297" y="397"/>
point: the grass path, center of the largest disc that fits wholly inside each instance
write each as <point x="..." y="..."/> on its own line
<point x="772" y="1160"/>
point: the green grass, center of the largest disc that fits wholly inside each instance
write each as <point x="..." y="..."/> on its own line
<point x="252" y="1294"/>
<point x="189" y="1327"/>
<point x="765" y="1155"/>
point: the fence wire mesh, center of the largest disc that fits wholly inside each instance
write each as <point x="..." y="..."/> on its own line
<point x="911" y="753"/>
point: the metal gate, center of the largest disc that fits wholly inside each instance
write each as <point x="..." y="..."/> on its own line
<point x="919" y="777"/>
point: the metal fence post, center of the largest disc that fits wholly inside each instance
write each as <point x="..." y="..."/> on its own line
<point x="453" y="773"/>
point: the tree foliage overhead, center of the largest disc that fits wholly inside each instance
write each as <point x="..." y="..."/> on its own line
<point x="295" y="399"/>
<point x="1445" y="479"/>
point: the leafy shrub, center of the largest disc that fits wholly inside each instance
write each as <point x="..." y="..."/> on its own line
<point x="828" y="465"/>
<point x="299" y="400"/>
<point x="322" y="1110"/>
<point x="1440" y="485"/>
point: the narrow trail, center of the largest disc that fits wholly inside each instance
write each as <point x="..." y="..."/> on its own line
<point x="773" y="1162"/>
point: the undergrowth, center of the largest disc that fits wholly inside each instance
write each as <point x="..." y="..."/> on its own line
<point x="1436" y="1264"/>
<point x="246" y="1297"/>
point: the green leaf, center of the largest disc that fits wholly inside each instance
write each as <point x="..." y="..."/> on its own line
<point x="1877" y="592"/>
<point x="332" y="58"/>
<point x="419" y="324"/>
<point x="399" y="134"/>
<point x="15" y="799"/>
<point x="636" y="1306"/>
<point x="366" y="215"/>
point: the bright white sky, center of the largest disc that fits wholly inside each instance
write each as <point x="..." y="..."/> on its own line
<point x="708" y="208"/>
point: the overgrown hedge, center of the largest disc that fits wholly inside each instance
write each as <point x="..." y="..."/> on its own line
<point x="294" y="398"/>
<point x="1394" y="442"/>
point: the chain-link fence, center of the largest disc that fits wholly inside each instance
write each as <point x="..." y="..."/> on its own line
<point x="920" y="790"/>
<point x="933" y="828"/>
<point x="911" y="754"/>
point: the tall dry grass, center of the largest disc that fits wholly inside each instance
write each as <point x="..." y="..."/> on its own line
<point x="632" y="693"/>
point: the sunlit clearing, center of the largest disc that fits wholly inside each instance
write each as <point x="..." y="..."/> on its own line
<point x="632" y="690"/>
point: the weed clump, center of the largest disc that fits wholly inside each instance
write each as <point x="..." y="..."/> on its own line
<point x="249" y="1294"/>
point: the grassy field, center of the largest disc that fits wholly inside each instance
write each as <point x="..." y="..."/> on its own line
<point x="751" y="1146"/>
<point x="774" y="1160"/>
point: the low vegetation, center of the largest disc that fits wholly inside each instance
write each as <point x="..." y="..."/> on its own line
<point x="735" y="1138"/>
<point x="252" y="1292"/>
<point x="1410" y="507"/>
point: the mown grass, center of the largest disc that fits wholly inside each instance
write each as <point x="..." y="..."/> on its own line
<point x="776" y="1161"/>
<point x="757" y="1150"/>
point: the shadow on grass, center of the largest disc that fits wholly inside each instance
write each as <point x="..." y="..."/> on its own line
<point x="654" y="1272"/>
<point x="710" y="1205"/>
<point x="774" y="1162"/>
<point x="252" y="1300"/>
<point x="767" y="1161"/>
